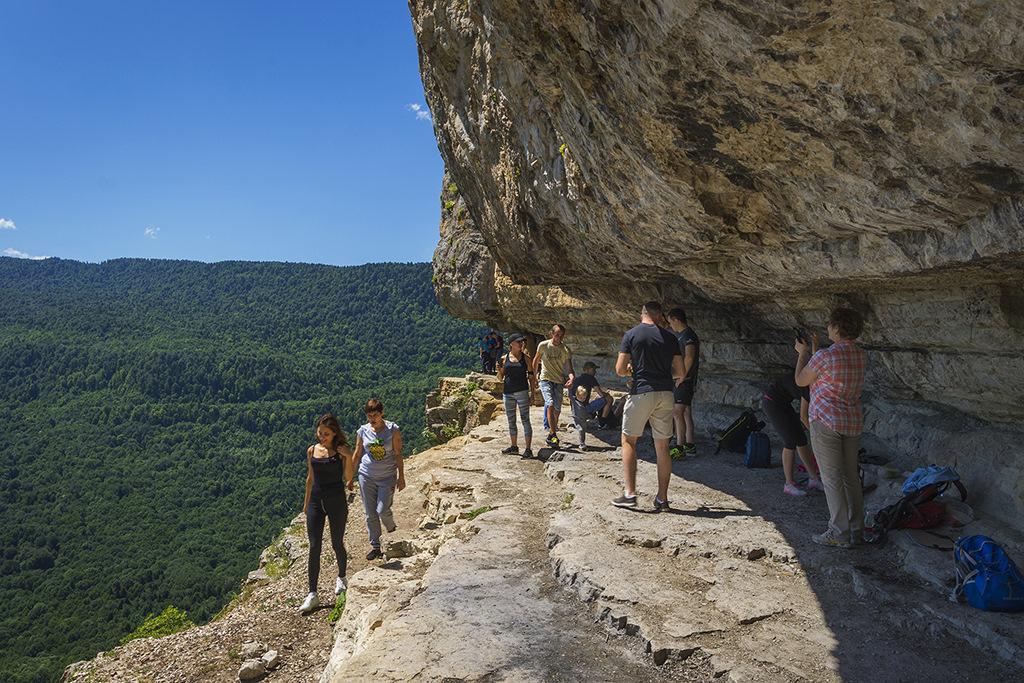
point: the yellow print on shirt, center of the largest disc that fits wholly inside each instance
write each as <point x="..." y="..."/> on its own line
<point x="377" y="451"/>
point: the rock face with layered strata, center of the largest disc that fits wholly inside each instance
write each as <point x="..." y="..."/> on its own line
<point x="757" y="163"/>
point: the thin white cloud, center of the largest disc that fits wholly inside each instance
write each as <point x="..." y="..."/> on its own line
<point x="151" y="233"/>
<point x="20" y="254"/>
<point x="7" y="225"/>
<point x="422" y="113"/>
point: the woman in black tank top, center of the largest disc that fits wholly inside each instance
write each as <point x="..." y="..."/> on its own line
<point x="519" y="384"/>
<point x="330" y="469"/>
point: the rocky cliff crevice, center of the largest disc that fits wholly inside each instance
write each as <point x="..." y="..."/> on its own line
<point x="757" y="163"/>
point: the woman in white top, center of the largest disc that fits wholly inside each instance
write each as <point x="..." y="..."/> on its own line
<point x="378" y="458"/>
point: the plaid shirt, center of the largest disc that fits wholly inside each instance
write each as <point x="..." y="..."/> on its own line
<point x="835" y="395"/>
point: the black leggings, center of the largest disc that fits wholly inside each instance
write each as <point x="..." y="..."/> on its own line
<point x="319" y="511"/>
<point x="786" y="422"/>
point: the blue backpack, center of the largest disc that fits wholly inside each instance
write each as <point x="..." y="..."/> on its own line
<point x="759" y="450"/>
<point x="986" y="576"/>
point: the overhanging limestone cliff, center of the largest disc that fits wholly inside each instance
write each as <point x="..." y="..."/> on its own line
<point x="758" y="163"/>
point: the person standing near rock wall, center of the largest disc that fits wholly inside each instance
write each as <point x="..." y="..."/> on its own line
<point x="552" y="359"/>
<point x="514" y="370"/>
<point x="330" y="468"/>
<point x="682" y="412"/>
<point x="381" y="470"/>
<point x="777" y="404"/>
<point x="836" y="376"/>
<point x="651" y="355"/>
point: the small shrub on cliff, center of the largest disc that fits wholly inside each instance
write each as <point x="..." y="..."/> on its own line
<point x="339" y="608"/>
<point x="171" y="620"/>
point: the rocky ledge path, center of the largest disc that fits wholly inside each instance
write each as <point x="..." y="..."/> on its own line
<point x="506" y="569"/>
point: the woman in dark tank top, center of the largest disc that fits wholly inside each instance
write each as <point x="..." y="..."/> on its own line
<point x="330" y="469"/>
<point x="519" y="384"/>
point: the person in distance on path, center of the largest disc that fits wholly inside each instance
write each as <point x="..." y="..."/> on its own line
<point x="651" y="355"/>
<point x="330" y="468"/>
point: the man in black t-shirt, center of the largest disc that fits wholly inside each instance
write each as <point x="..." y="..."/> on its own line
<point x="651" y="355"/>
<point x="581" y="396"/>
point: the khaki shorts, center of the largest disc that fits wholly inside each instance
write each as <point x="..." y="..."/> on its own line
<point x="654" y="406"/>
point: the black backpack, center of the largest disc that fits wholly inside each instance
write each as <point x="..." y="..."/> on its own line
<point x="735" y="437"/>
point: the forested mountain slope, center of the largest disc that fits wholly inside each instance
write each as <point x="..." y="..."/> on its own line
<point x="154" y="417"/>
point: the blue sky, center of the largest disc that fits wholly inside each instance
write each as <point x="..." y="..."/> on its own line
<point x="215" y="130"/>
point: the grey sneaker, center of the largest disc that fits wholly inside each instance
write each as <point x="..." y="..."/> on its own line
<point x="511" y="450"/>
<point x="661" y="505"/>
<point x="340" y="586"/>
<point x="625" y="501"/>
<point x="309" y="604"/>
<point x="828" y="539"/>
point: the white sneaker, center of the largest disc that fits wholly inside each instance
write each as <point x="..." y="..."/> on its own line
<point x="309" y="604"/>
<point x="340" y="586"/>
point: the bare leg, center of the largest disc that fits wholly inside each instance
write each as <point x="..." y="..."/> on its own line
<point x="788" y="458"/>
<point x="664" y="466"/>
<point x="680" y="423"/>
<point x="807" y="458"/>
<point x="688" y="419"/>
<point x="552" y="420"/>
<point x="629" y="463"/>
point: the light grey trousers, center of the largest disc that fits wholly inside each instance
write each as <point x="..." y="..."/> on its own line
<point x="837" y="461"/>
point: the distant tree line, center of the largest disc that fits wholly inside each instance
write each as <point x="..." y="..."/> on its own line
<point x="154" y="417"/>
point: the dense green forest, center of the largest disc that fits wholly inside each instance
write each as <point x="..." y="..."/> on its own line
<point x="154" y="417"/>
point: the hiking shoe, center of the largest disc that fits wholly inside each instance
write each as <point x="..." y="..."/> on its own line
<point x="553" y="440"/>
<point x="690" y="450"/>
<point x="511" y="450"/>
<point x="527" y="454"/>
<point x="625" y="501"/>
<point x="794" y="490"/>
<point x="661" y="505"/>
<point x="815" y="484"/>
<point x="828" y="539"/>
<point x="309" y="604"/>
<point x="374" y="554"/>
<point x="340" y="585"/>
<point x="583" y="447"/>
<point x="676" y="453"/>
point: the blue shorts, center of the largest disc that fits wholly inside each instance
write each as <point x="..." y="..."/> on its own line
<point x="552" y="393"/>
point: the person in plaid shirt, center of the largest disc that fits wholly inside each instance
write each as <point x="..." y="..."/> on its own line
<point x="836" y="376"/>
